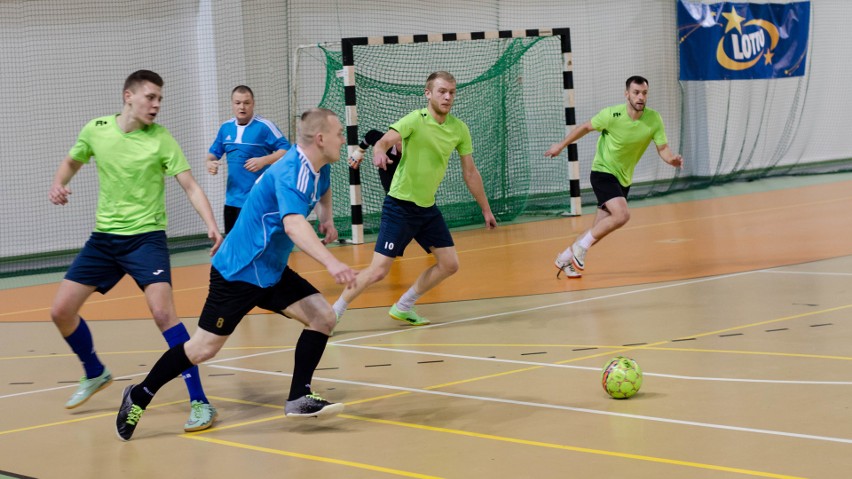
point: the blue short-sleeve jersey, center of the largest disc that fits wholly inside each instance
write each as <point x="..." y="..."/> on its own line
<point x="259" y="137"/>
<point x="257" y="249"/>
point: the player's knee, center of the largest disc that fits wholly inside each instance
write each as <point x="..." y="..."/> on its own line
<point x="198" y="352"/>
<point x="61" y="314"/>
<point x="622" y="217"/>
<point x="324" y="322"/>
<point x="449" y="267"/>
<point x="377" y="274"/>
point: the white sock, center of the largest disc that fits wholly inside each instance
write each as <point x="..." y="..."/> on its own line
<point x="587" y="240"/>
<point x="340" y="306"/>
<point x="406" y="302"/>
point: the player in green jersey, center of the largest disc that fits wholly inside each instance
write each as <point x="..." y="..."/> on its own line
<point x="133" y="156"/>
<point x="626" y="131"/>
<point x="429" y="136"/>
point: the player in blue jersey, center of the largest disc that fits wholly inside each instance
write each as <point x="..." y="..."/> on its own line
<point x="250" y="144"/>
<point x="250" y="269"/>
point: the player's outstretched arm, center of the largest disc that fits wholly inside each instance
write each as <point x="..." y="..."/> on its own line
<point x="303" y="236"/>
<point x="202" y="206"/>
<point x="473" y="180"/>
<point x="576" y="133"/>
<point x="58" y="194"/>
<point x="669" y="156"/>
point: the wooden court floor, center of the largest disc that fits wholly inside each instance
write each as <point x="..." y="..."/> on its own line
<point x="736" y="308"/>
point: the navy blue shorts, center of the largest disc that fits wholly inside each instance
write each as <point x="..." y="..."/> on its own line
<point x="106" y="258"/>
<point x="607" y="187"/>
<point x="403" y="221"/>
<point x="229" y="301"/>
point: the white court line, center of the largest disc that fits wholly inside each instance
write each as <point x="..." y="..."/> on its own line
<point x="595" y="369"/>
<point x="814" y="273"/>
<point x="769" y="432"/>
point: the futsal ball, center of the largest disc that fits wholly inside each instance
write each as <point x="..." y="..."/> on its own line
<point x="621" y="377"/>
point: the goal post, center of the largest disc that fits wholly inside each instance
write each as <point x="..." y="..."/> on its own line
<point x="515" y="91"/>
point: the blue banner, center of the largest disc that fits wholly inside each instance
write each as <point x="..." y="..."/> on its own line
<point x="742" y="41"/>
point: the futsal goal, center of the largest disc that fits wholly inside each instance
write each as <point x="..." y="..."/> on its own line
<point x="514" y="90"/>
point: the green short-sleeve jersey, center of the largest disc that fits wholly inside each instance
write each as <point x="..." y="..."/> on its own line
<point x="623" y="140"/>
<point x="426" y="149"/>
<point x="131" y="172"/>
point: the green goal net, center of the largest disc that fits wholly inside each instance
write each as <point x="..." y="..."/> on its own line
<point x="510" y="94"/>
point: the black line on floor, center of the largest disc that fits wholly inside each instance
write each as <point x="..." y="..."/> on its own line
<point x="584" y="349"/>
<point x="220" y="374"/>
<point x="729" y="335"/>
<point x="429" y="362"/>
<point x="683" y="339"/>
<point x="376" y="365"/>
<point x="779" y="329"/>
<point x="537" y="352"/>
<point x="635" y="344"/>
<point x="326" y="369"/>
<point x="820" y="325"/>
<point x="20" y="383"/>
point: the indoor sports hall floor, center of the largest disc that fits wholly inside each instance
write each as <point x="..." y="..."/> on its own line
<point x="735" y="301"/>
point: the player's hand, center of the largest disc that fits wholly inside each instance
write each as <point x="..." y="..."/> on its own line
<point x="342" y="273"/>
<point x="212" y="166"/>
<point x="254" y="164"/>
<point x="554" y="150"/>
<point x="216" y="238"/>
<point x="490" y="221"/>
<point x="58" y="194"/>
<point x="677" y="161"/>
<point x="328" y="231"/>
<point x="380" y="159"/>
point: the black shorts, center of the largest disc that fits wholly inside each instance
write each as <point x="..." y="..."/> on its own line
<point x="607" y="187"/>
<point x="229" y="301"/>
<point x="403" y="221"/>
<point x="107" y="257"/>
<point x="230" y="215"/>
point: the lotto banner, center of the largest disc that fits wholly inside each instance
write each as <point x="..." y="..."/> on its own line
<point x="742" y="41"/>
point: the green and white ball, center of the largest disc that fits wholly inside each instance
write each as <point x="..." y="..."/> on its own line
<point x="621" y="377"/>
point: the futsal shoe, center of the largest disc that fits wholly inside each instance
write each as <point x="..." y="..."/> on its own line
<point x="88" y="387"/>
<point x="201" y="416"/>
<point x="312" y="405"/>
<point x="410" y="317"/>
<point x="128" y="416"/>
<point x="578" y="256"/>
<point x="566" y="267"/>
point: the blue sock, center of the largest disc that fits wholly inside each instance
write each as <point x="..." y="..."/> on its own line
<point x="84" y="347"/>
<point x="178" y="334"/>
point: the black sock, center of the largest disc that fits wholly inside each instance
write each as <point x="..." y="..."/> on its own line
<point x="309" y="351"/>
<point x="168" y="367"/>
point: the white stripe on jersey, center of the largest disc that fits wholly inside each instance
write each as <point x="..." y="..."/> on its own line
<point x="274" y="129"/>
<point x="305" y="173"/>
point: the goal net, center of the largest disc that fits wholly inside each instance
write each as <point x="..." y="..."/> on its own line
<point x="513" y="91"/>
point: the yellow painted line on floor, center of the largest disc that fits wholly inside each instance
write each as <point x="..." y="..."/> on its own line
<point x="80" y="419"/>
<point x="310" y="457"/>
<point x="584" y="450"/>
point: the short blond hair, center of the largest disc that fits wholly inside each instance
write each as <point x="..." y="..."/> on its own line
<point x="313" y="121"/>
<point x="446" y="76"/>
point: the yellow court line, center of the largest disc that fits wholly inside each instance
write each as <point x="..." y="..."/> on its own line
<point x="585" y="450"/>
<point x="80" y="419"/>
<point x="311" y="457"/>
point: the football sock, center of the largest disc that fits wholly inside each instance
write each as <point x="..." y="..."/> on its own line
<point x="178" y="334"/>
<point x="406" y="302"/>
<point x="309" y="351"/>
<point x="170" y="364"/>
<point x="340" y="306"/>
<point x="83" y="345"/>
